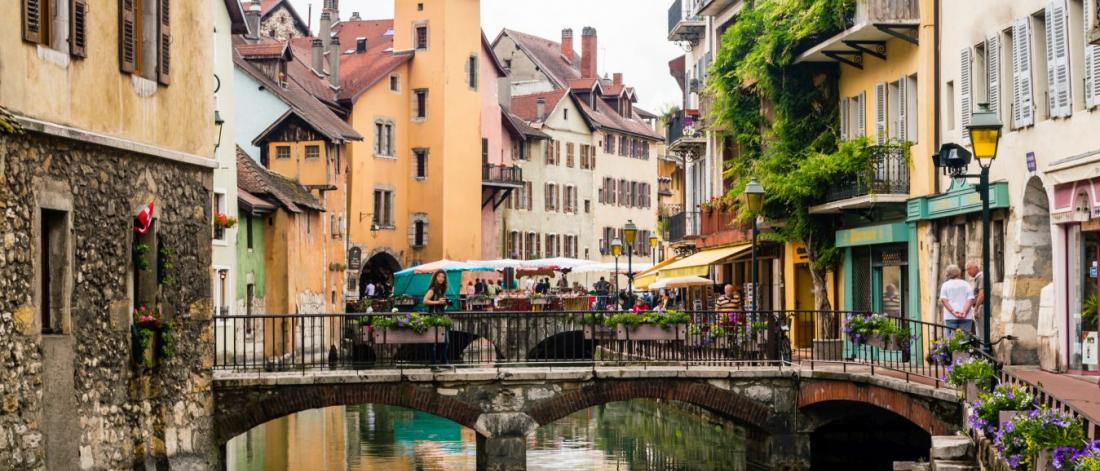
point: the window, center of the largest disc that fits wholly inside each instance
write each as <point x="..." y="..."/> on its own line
<point x="313" y="152"/>
<point x="471" y="72"/>
<point x="248" y="229"/>
<point x="422" y="37"/>
<point x="622" y="146"/>
<point x="549" y="151"/>
<point x="1090" y="11"/>
<point x="420" y="106"/>
<point x="135" y="34"/>
<point x="383" y="209"/>
<point x="893" y="110"/>
<point x="38" y="27"/>
<point x="584" y="156"/>
<point x="550" y="197"/>
<point x="383" y="138"/>
<point x="515" y="244"/>
<point x="282" y="152"/>
<point x="395" y="83"/>
<point x="569" y="159"/>
<point x="587" y="206"/>
<point x="420" y="162"/>
<point x="1040" y="60"/>
<point x="420" y="233"/>
<point x="609" y="142"/>
<point x="565" y="113"/>
<point x="910" y="107"/>
<point x="54" y="271"/>
<point x="219" y="208"/>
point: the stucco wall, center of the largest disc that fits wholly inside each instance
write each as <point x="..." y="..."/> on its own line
<point x="631" y="169"/>
<point x="225" y="175"/>
<point x="255" y="110"/>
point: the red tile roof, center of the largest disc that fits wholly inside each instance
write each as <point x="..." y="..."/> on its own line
<point x="547" y="54"/>
<point x="581" y="83"/>
<point x="526" y="106"/>
<point x="259" y="181"/>
<point x="605" y="117"/>
<point x="360" y="71"/>
<point x="519" y="128"/>
<point x="263" y="50"/>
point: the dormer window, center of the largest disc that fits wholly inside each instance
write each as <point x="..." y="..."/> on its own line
<point x="282" y="74"/>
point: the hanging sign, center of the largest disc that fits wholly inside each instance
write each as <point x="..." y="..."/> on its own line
<point x="1031" y="166"/>
<point x="355" y="257"/>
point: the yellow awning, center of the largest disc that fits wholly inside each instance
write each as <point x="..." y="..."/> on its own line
<point x="699" y="263"/>
<point x="656" y="268"/>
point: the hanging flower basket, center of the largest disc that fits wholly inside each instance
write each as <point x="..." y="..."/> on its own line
<point x="151" y="338"/>
<point x="224" y="221"/>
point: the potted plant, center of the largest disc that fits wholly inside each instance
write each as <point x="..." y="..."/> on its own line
<point x="409" y="328"/>
<point x="151" y="337"/>
<point x="667" y="325"/>
<point x="991" y="410"/>
<point x="224" y="221"/>
<point x="951" y="350"/>
<point x="1029" y="440"/>
<point x="974" y="374"/>
<point x="876" y="330"/>
<point x="1086" y="458"/>
<point x="595" y="327"/>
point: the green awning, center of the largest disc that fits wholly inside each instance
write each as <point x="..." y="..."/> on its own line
<point x="959" y="199"/>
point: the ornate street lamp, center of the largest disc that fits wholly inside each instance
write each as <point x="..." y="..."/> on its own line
<point x="630" y="233"/>
<point x="985" y="134"/>
<point x="653" y="248"/>
<point x="616" y="250"/>
<point x="754" y="202"/>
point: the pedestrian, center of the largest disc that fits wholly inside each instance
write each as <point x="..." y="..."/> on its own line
<point x="470" y="290"/>
<point x="490" y="288"/>
<point x="956" y="297"/>
<point x="973" y="269"/>
<point x="603" y="291"/>
<point x="435" y="299"/>
<point x="662" y="301"/>
<point x="728" y="305"/>
<point x="370" y="291"/>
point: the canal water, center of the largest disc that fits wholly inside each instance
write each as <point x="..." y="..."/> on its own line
<point x="632" y="435"/>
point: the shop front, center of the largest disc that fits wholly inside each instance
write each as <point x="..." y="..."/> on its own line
<point x="1077" y="212"/>
<point x="876" y="272"/>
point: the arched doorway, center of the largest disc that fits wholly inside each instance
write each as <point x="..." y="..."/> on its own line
<point x="1033" y="270"/>
<point x="379" y="270"/>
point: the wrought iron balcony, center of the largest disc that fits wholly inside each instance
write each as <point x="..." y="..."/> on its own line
<point x="886" y="181"/>
<point x="675" y="227"/>
<point x="682" y="134"/>
<point x="871" y="24"/>
<point x="509" y="176"/>
<point x="683" y="22"/>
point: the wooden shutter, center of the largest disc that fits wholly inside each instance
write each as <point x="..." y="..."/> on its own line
<point x="78" y="28"/>
<point x="844" y="104"/>
<point x="993" y="71"/>
<point x="1061" y="103"/>
<point x="164" y="42"/>
<point x="1092" y="62"/>
<point x="32" y="20"/>
<point x="966" y="106"/>
<point x="127" y="36"/>
<point x="1023" y="112"/>
<point x="880" y="113"/>
<point x="861" y="114"/>
<point x="903" y="109"/>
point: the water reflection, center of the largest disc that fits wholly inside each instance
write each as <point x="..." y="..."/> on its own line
<point x="634" y="435"/>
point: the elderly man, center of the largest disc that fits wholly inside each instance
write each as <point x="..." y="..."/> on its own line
<point x="729" y="304"/>
<point x="956" y="297"/>
<point x="974" y="271"/>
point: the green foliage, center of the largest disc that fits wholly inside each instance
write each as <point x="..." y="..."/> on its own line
<point x="167" y="343"/>
<point x="978" y="370"/>
<point x="985" y="414"/>
<point x="1088" y="313"/>
<point x="416" y="322"/>
<point x="8" y="125"/>
<point x="140" y="251"/>
<point x="662" y="319"/>
<point x="165" y="265"/>
<point x="1021" y="440"/>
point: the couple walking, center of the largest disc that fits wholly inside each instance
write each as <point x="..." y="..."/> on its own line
<point x="962" y="301"/>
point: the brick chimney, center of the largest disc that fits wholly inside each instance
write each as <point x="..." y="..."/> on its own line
<point x="588" y="51"/>
<point x="567" y="44"/>
<point x="617" y="78"/>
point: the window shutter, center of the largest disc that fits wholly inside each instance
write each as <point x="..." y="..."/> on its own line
<point x="127" y="36"/>
<point x="861" y="114"/>
<point x="1092" y="63"/>
<point x="78" y="29"/>
<point x="844" y="103"/>
<point x="966" y="107"/>
<point x="1058" y="62"/>
<point x="903" y="109"/>
<point x="32" y="21"/>
<point x="164" y="42"/>
<point x="993" y="72"/>
<point x="1024" y="112"/>
<point x="880" y="113"/>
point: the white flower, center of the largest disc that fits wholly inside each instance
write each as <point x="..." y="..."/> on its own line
<point x="393" y="310"/>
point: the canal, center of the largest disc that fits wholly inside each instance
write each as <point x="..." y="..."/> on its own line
<point x="632" y="435"/>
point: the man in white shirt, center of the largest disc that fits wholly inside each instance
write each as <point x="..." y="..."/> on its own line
<point x="956" y="297"/>
<point x="370" y="289"/>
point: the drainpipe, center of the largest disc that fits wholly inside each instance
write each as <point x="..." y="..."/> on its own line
<point x="936" y="88"/>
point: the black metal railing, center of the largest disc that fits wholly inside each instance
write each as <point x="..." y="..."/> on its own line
<point x="674" y="128"/>
<point x="887" y="174"/>
<point x="675" y="14"/>
<point x="502" y="174"/>
<point x="814" y="339"/>
<point x="675" y="227"/>
<point x="1043" y="398"/>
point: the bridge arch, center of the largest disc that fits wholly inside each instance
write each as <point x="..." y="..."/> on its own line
<point x="726" y="403"/>
<point x="928" y="413"/>
<point x="241" y="409"/>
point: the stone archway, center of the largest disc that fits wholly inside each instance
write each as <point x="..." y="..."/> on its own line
<point x="379" y="267"/>
<point x="1033" y="270"/>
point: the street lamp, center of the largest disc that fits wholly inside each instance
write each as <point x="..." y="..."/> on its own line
<point x="985" y="133"/>
<point x="754" y="202"/>
<point x="616" y="250"/>
<point x="653" y="248"/>
<point x="630" y="233"/>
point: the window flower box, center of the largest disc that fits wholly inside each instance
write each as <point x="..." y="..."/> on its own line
<point x="397" y="336"/>
<point x="409" y="328"/>
<point x="651" y="332"/>
<point x="599" y="332"/>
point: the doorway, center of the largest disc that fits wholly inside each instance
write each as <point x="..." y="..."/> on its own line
<point x="804" y="301"/>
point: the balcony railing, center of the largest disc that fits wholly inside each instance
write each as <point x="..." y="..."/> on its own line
<point x="888" y="175"/>
<point x="683" y="23"/>
<point x="682" y="130"/>
<point x="508" y="175"/>
<point x="669" y="210"/>
<point x="675" y="227"/>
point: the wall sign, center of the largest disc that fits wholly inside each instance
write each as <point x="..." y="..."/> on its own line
<point x="355" y="257"/>
<point x="1031" y="166"/>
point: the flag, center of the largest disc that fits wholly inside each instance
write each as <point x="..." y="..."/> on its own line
<point x="144" y="220"/>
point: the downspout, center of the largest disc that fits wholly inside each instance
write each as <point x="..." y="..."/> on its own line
<point x="936" y="89"/>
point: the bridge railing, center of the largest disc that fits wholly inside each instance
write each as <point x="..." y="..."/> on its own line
<point x="353" y="341"/>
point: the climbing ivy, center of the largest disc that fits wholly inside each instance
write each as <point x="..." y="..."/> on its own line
<point x="782" y="117"/>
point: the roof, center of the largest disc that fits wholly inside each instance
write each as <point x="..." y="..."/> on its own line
<point x="547" y="55"/>
<point x="268" y="6"/>
<point x="258" y="181"/>
<point x="613" y="121"/>
<point x="306" y="105"/>
<point x="264" y="50"/>
<point x="676" y="68"/>
<point x="526" y="106"/>
<point x="520" y="128"/>
<point x="581" y="83"/>
<point x="361" y="71"/>
<point x="501" y="71"/>
<point x="644" y="114"/>
<point x="236" y="17"/>
<point x="251" y="203"/>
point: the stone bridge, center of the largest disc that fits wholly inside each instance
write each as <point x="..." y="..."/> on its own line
<point x="505" y="405"/>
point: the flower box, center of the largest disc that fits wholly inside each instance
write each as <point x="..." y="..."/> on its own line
<point x="651" y="332"/>
<point x="599" y="332"/>
<point x="972" y="391"/>
<point x="408" y="336"/>
<point x="885" y="342"/>
<point x="959" y="357"/>
<point x="1006" y="416"/>
<point x="365" y="333"/>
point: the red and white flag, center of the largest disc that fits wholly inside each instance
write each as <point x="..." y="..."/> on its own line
<point x="144" y="220"/>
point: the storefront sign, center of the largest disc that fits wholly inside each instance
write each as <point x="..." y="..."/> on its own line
<point x="1031" y="162"/>
<point x="882" y="234"/>
<point x="355" y="257"/>
<point x="959" y="199"/>
<point x="1088" y="353"/>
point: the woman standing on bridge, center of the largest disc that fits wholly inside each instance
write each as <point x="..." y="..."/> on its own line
<point x="436" y="301"/>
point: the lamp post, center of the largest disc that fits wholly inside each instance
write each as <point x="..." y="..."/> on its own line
<point x="630" y="233"/>
<point x="985" y="133"/>
<point x="616" y="250"/>
<point x="653" y="249"/>
<point x="754" y="201"/>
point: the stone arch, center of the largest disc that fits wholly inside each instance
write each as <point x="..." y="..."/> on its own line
<point x="900" y="403"/>
<point x="379" y="265"/>
<point x="726" y="403"/>
<point x="239" y="410"/>
<point x="1024" y="282"/>
<point x="566" y="345"/>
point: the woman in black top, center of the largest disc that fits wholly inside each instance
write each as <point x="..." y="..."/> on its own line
<point x="436" y="297"/>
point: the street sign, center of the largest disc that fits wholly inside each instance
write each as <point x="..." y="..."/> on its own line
<point x="1031" y="166"/>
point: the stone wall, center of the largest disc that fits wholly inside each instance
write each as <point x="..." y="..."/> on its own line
<point x="110" y="415"/>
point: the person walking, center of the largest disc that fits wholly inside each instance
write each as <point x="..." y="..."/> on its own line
<point x="728" y="305"/>
<point x="957" y="297"/>
<point x="974" y="271"/>
<point x="435" y="299"/>
<point x="603" y="290"/>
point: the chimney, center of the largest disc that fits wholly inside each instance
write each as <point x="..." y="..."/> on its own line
<point x="318" y="55"/>
<point x="325" y="25"/>
<point x="540" y="109"/>
<point x="360" y="45"/>
<point x="252" y="19"/>
<point x="588" y="51"/>
<point x="334" y="62"/>
<point x="334" y="7"/>
<point x="617" y="78"/>
<point x="567" y="44"/>
<point x="355" y="16"/>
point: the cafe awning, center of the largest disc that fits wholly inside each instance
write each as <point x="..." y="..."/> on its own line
<point x="699" y="263"/>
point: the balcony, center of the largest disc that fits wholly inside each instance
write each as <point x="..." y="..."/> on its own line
<point x="716" y="7"/>
<point x="683" y="23"/>
<point x="718" y="226"/>
<point x="872" y="23"/>
<point x="664" y="186"/>
<point x="674" y="227"/>
<point x="683" y="136"/>
<point x="498" y="182"/>
<point x="885" y="182"/>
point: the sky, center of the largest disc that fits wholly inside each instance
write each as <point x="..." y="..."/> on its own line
<point x="632" y="34"/>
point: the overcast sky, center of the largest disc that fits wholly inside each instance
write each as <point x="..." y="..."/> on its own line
<point x="632" y="34"/>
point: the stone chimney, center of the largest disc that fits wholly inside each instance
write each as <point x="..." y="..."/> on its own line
<point x="355" y="16"/>
<point x="588" y="51"/>
<point x="334" y="62"/>
<point x="252" y="19"/>
<point x="333" y="6"/>
<point x="325" y="27"/>
<point x="567" y="44"/>
<point x="318" y="49"/>
<point x="617" y="78"/>
<point x="540" y="109"/>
